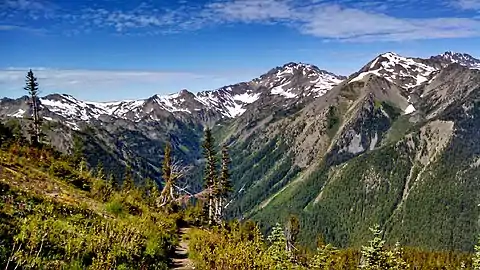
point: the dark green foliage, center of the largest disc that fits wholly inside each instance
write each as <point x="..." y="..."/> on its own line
<point x="6" y="134"/>
<point x="36" y="121"/>
<point x="128" y="182"/>
<point x="210" y="156"/>
<point x="210" y="176"/>
<point x="391" y="110"/>
<point x="65" y="171"/>
<point x="263" y="173"/>
<point x="332" y="117"/>
<point x="16" y="128"/>
<point x="225" y="184"/>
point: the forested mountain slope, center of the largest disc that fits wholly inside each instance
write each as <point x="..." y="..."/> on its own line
<point x="395" y="143"/>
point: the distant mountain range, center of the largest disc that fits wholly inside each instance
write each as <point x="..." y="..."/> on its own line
<point x="396" y="143"/>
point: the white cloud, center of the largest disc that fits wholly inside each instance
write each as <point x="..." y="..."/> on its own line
<point x="468" y="4"/>
<point x="105" y="84"/>
<point x="252" y="10"/>
<point x="347" y="20"/>
<point x="62" y="78"/>
<point x="333" y="21"/>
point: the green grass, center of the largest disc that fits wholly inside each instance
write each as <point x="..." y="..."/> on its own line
<point x="50" y="218"/>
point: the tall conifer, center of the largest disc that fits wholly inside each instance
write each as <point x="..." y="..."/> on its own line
<point x="210" y="178"/>
<point x="32" y="88"/>
<point x="224" y="186"/>
<point x="128" y="183"/>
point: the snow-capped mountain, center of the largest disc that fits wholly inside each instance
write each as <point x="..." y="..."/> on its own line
<point x="408" y="72"/>
<point x="463" y="59"/>
<point x="299" y="80"/>
<point x="284" y="86"/>
<point x="287" y="84"/>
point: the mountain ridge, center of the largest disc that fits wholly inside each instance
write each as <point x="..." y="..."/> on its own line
<point x="359" y="149"/>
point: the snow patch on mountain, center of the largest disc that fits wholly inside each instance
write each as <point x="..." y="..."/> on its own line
<point x="462" y="59"/>
<point x="246" y="97"/>
<point x="405" y="72"/>
<point x="410" y="109"/>
<point x="292" y="81"/>
<point x="19" y="114"/>
<point x="171" y="103"/>
<point x="280" y="91"/>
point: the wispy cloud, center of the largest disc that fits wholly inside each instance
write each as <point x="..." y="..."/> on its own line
<point x="63" y="78"/>
<point x="105" y="84"/>
<point x="468" y="4"/>
<point x="7" y="27"/>
<point x="333" y="21"/>
<point x="345" y="20"/>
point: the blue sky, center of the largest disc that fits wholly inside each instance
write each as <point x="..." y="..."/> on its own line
<point x="113" y="49"/>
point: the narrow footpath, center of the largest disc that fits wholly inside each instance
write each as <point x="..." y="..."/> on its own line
<point x="180" y="260"/>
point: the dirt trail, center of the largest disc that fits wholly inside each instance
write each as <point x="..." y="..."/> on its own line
<point x="180" y="260"/>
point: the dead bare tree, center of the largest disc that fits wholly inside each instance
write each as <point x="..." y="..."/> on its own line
<point x="173" y="171"/>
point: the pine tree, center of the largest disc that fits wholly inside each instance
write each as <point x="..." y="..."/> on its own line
<point x="128" y="184"/>
<point x="32" y="89"/>
<point x="5" y="134"/>
<point x="99" y="171"/>
<point x="376" y="257"/>
<point x="100" y="188"/>
<point x="277" y="250"/>
<point x="324" y="258"/>
<point x="224" y="186"/>
<point x="373" y="255"/>
<point x="78" y="148"/>
<point x="111" y="183"/>
<point x="152" y="193"/>
<point x="83" y="166"/>
<point x="210" y="179"/>
<point x="395" y="258"/>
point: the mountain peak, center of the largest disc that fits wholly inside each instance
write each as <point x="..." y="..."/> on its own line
<point x="463" y="59"/>
<point x="390" y="54"/>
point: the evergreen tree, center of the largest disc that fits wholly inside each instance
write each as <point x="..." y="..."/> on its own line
<point x="128" y="183"/>
<point x="5" y="134"/>
<point x="224" y="186"/>
<point x="376" y="257"/>
<point x="32" y="89"/>
<point x="78" y="148"/>
<point x="16" y="128"/>
<point x="152" y="193"/>
<point x="277" y="250"/>
<point x="101" y="188"/>
<point x="100" y="173"/>
<point x="111" y="183"/>
<point x="395" y="258"/>
<point x="210" y="179"/>
<point x="373" y="255"/>
<point x="324" y="258"/>
<point x="83" y="166"/>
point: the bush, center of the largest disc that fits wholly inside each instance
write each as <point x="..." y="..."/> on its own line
<point x="115" y="207"/>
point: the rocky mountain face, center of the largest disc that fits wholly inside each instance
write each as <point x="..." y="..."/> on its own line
<point x="395" y="143"/>
<point x="134" y="132"/>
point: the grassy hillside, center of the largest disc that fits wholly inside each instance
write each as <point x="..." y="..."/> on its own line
<point x="56" y="214"/>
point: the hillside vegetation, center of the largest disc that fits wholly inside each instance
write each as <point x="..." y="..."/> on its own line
<point x="57" y="214"/>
